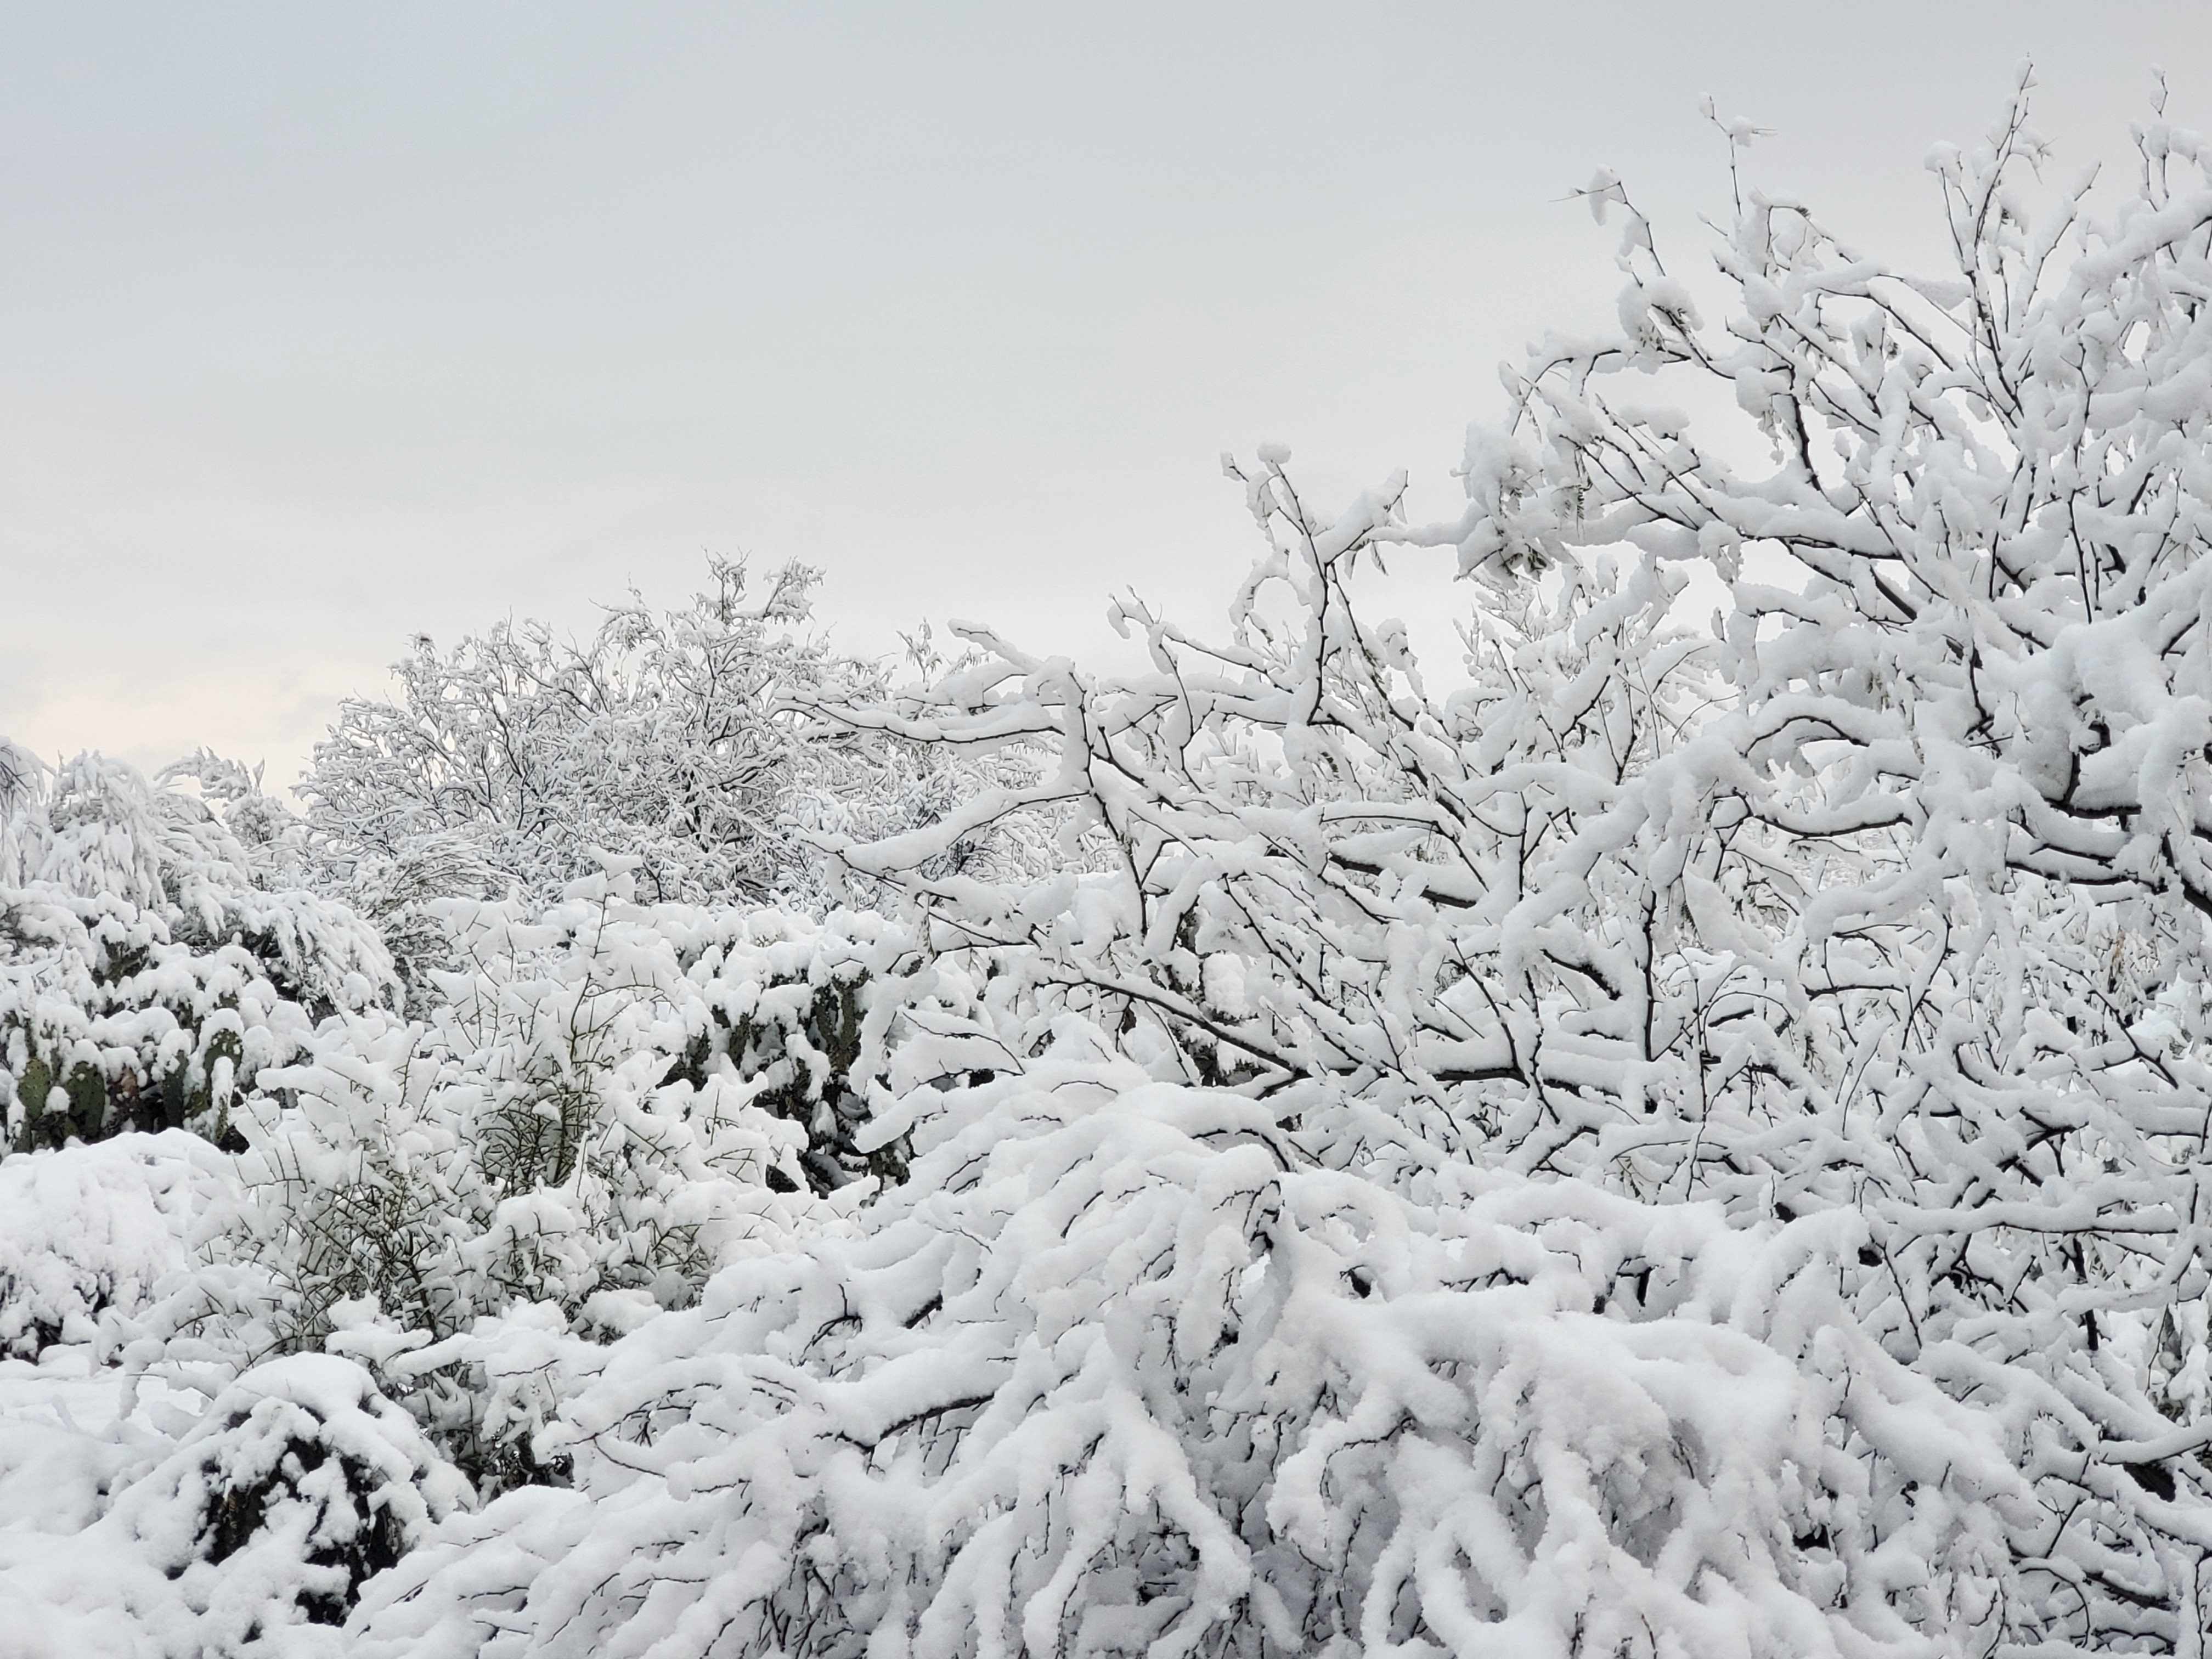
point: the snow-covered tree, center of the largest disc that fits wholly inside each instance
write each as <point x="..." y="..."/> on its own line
<point x="1296" y="869"/>
<point x="676" y="737"/>
<point x="686" y="740"/>
<point x="1972" y="674"/>
<point x="1886" y="898"/>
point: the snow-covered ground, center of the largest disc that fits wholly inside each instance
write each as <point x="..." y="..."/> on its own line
<point x="64" y="1437"/>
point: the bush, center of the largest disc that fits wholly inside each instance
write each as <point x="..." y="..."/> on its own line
<point x="615" y="1102"/>
<point x="91" y="1231"/>
<point x="299" y="1484"/>
<point x="145" y="977"/>
<point x="1122" y="1370"/>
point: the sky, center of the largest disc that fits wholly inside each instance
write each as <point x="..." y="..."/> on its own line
<point x="323" y="326"/>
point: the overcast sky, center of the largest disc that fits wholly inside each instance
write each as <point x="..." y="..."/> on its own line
<point x="323" y="325"/>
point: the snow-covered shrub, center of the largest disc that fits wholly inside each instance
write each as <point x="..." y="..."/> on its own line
<point x="107" y="1025"/>
<point x="145" y="977"/>
<point x="299" y="1483"/>
<point x="612" y="1102"/>
<point x="100" y="831"/>
<point x="88" y="1230"/>
<point x="1123" y="1369"/>
<point x="247" y="1531"/>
